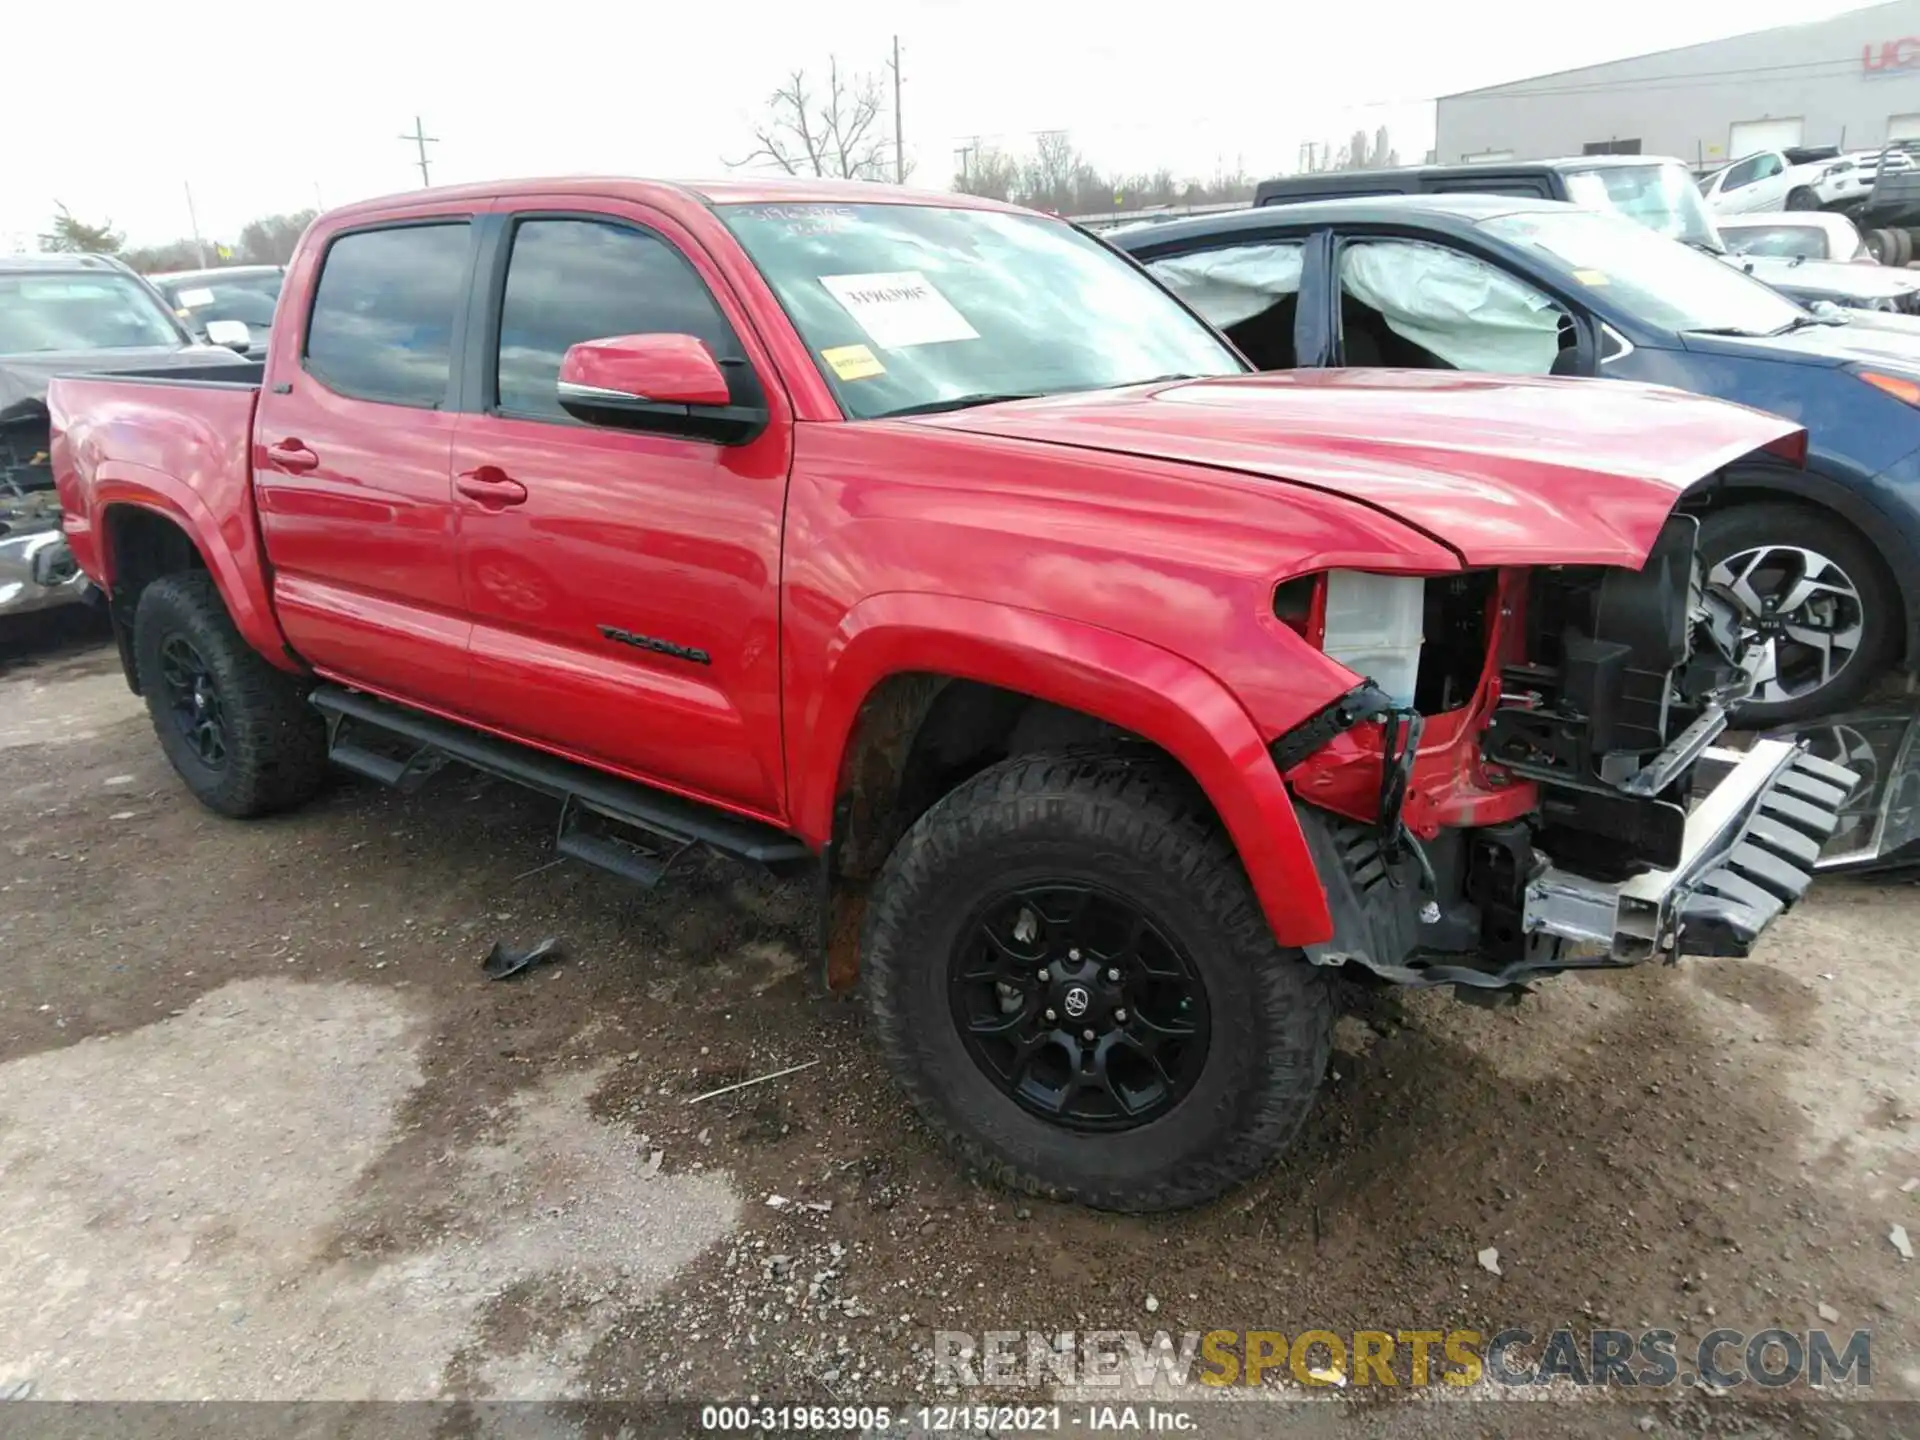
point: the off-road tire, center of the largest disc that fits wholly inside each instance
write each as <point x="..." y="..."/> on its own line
<point x="276" y="742"/>
<point x="1746" y="526"/>
<point x="1139" y="828"/>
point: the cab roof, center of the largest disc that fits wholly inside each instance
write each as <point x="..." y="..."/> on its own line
<point x="732" y="190"/>
<point x="1460" y="210"/>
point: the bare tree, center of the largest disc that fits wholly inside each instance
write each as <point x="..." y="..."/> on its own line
<point x="73" y="236"/>
<point x="1059" y="178"/>
<point x="270" y="239"/>
<point x="989" y="171"/>
<point x="159" y="259"/>
<point x="835" y="134"/>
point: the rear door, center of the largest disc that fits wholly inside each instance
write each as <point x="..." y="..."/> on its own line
<point x="623" y="582"/>
<point x="1256" y="289"/>
<point x="350" y="461"/>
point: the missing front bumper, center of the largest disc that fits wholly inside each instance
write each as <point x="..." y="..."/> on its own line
<point x="1749" y="852"/>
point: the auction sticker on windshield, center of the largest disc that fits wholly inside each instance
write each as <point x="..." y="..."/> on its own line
<point x="853" y="362"/>
<point x="899" y="308"/>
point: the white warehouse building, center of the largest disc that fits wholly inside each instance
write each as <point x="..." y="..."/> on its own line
<point x="1852" y="80"/>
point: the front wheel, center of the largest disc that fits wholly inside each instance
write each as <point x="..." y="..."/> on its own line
<point x="1801" y="198"/>
<point x="1071" y="980"/>
<point x="1815" y="597"/>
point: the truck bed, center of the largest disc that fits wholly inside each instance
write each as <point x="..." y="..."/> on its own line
<point x="178" y="444"/>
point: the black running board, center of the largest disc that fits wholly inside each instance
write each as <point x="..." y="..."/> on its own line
<point x="668" y="824"/>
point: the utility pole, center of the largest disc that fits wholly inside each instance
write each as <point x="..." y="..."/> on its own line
<point x="193" y="221"/>
<point x="421" y="140"/>
<point x="965" y="152"/>
<point x="899" y="153"/>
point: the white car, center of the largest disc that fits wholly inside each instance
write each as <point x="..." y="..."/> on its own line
<point x="1796" y="180"/>
<point x="1799" y="234"/>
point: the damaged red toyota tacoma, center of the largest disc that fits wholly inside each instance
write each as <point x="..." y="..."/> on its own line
<point x="1115" y="699"/>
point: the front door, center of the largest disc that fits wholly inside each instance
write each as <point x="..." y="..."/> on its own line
<point x="1413" y="304"/>
<point x="350" y="464"/>
<point x="623" y="584"/>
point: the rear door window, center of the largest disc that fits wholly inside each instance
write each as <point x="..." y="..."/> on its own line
<point x="383" y="313"/>
<point x="1252" y="292"/>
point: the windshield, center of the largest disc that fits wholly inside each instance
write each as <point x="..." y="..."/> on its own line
<point x="246" y="298"/>
<point x="1804" y="242"/>
<point x="79" y="312"/>
<point x="1655" y="279"/>
<point x="918" y="307"/>
<point x="1660" y="196"/>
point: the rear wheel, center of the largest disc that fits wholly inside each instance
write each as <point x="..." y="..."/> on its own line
<point x="1814" y="594"/>
<point x="1903" y="246"/>
<point x="1883" y="246"/>
<point x="238" y="731"/>
<point x="1071" y="980"/>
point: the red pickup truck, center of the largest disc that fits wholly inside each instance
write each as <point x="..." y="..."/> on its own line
<point x="1116" y="698"/>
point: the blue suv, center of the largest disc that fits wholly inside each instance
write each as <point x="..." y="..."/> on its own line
<point x="1824" y="562"/>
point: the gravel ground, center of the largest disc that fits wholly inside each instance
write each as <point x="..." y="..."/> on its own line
<point x="267" y="1133"/>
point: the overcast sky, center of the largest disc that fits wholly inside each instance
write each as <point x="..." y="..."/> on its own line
<point x="276" y="107"/>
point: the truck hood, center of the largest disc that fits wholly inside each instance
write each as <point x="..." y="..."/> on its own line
<point x="1836" y="278"/>
<point x="1503" y="471"/>
<point x="24" y="378"/>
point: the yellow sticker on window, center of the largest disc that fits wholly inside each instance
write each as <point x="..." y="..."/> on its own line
<point x="1591" y="277"/>
<point x="853" y="362"/>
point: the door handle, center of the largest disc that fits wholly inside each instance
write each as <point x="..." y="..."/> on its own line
<point x="292" y="455"/>
<point x="491" y="486"/>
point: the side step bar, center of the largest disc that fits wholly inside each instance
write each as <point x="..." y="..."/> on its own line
<point x="668" y="824"/>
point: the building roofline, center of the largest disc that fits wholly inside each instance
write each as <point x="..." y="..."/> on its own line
<point x="1669" y="50"/>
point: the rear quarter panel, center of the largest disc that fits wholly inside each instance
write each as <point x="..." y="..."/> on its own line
<point x="176" y="448"/>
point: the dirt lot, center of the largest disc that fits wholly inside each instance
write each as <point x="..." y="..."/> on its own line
<point x="267" y="1133"/>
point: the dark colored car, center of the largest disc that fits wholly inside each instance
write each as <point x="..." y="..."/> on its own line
<point x="1650" y="190"/>
<point x="1654" y="191"/>
<point x="1825" y="562"/>
<point x="243" y="293"/>
<point x="65" y="315"/>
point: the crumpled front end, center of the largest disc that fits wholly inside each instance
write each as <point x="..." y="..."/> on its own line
<point x="37" y="570"/>
<point x="1545" y="787"/>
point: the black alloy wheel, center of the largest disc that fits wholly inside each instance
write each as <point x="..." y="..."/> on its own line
<point x="1077" y="1006"/>
<point x="193" y="701"/>
<point x="237" y="730"/>
<point x="1071" y="979"/>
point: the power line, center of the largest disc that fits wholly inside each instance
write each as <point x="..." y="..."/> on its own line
<point x="899" y="153"/>
<point x="421" y="140"/>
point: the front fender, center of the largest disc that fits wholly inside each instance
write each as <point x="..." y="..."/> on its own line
<point x="1127" y="682"/>
<point x="231" y="550"/>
